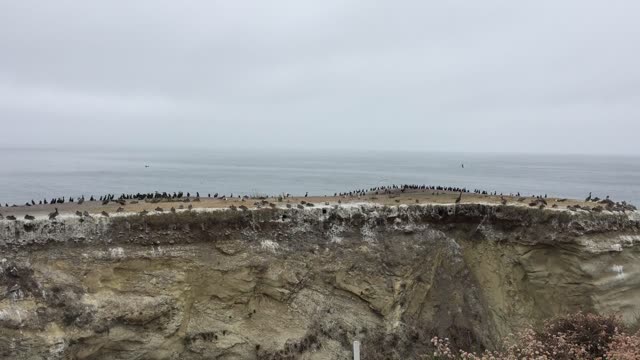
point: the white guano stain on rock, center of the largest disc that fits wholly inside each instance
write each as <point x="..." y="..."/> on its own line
<point x="269" y="245"/>
<point x="116" y="253"/>
<point x="619" y="270"/>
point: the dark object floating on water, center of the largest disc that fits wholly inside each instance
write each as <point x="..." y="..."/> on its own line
<point x="146" y="166"/>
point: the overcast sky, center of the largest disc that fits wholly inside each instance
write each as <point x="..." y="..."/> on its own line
<point x="505" y="76"/>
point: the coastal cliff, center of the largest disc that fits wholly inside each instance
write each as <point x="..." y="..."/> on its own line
<point x="305" y="283"/>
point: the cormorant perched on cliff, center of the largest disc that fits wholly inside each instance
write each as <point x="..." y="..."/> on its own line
<point x="54" y="214"/>
<point x="33" y="202"/>
<point x="306" y="194"/>
<point x="588" y="197"/>
<point x="29" y="217"/>
<point x="459" y="198"/>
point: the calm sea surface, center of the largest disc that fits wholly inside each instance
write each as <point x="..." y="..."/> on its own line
<point x="27" y="174"/>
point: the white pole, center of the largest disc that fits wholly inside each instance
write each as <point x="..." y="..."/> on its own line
<point x="356" y="350"/>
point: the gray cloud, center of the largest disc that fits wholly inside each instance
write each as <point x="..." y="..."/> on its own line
<point x="543" y="76"/>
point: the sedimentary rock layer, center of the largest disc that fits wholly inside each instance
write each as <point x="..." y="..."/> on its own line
<point x="293" y="283"/>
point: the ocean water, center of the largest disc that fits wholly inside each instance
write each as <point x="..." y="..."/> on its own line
<point x="37" y="173"/>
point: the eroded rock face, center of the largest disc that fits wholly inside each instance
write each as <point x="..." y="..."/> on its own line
<point x="289" y="284"/>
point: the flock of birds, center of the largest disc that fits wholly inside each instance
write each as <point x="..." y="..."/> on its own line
<point x="156" y="197"/>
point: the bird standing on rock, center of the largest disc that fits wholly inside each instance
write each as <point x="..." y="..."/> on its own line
<point x="54" y="214"/>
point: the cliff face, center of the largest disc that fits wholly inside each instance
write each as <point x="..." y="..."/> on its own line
<point x="278" y="284"/>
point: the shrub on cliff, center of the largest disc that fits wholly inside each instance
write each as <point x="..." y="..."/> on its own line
<point x="572" y="337"/>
